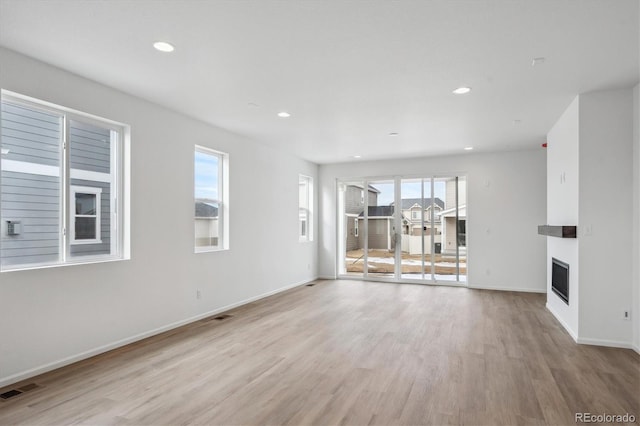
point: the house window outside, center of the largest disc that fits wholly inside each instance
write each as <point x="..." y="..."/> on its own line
<point x="85" y="215"/>
<point x="305" y="208"/>
<point x="415" y="214"/>
<point x="62" y="179"/>
<point x="211" y="199"/>
<point x="355" y="228"/>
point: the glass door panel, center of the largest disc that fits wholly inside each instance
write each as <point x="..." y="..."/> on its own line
<point x="415" y="229"/>
<point x="451" y="262"/>
<point x="352" y="199"/>
<point x="381" y="229"/>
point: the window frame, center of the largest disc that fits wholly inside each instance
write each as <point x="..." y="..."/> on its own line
<point x="305" y="212"/>
<point x="119" y="181"/>
<point x="97" y="192"/>
<point x="222" y="201"/>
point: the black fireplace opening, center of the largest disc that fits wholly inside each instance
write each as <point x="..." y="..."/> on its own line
<point x="560" y="279"/>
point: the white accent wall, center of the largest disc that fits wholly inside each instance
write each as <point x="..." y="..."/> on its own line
<point x="591" y="184"/>
<point x="52" y="317"/>
<point x="562" y="209"/>
<point x="506" y="201"/>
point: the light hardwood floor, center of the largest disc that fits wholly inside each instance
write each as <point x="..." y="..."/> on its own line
<point x="347" y="352"/>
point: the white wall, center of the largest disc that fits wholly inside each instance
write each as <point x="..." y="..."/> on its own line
<point x="562" y="209"/>
<point x="605" y="206"/>
<point x="506" y="201"/>
<point x="58" y="315"/>
<point x="635" y="261"/>
<point x="592" y="182"/>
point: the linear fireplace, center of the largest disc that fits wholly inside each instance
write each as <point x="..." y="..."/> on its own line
<point x="560" y="279"/>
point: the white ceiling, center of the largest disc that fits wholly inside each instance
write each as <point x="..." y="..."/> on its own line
<point x="349" y="72"/>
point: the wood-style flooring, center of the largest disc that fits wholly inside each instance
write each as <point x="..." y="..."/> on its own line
<point x="347" y="352"/>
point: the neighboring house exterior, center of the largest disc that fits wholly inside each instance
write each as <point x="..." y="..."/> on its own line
<point x="31" y="190"/>
<point x="412" y="208"/>
<point x="354" y="206"/>
<point x="206" y="220"/>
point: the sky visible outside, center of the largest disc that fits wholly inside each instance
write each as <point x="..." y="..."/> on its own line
<point x="206" y="176"/>
<point x="409" y="189"/>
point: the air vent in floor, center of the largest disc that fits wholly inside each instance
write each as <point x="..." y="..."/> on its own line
<point x="311" y="285"/>
<point x="10" y="394"/>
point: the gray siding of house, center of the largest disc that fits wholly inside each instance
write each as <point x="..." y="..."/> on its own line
<point x="90" y="148"/>
<point x="30" y="136"/>
<point x="353" y="200"/>
<point x="352" y="240"/>
<point x="34" y="199"/>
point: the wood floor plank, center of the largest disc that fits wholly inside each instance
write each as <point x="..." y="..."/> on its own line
<point x="346" y="352"/>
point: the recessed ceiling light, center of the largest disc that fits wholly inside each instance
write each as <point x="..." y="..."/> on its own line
<point x="357" y="156"/>
<point x="163" y="46"/>
<point x="462" y="90"/>
<point x="393" y="134"/>
<point x="284" y="114"/>
<point x="468" y="148"/>
<point x="516" y="122"/>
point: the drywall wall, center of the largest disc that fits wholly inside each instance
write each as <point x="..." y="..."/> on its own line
<point x="562" y="209"/>
<point x="590" y="182"/>
<point x="605" y="209"/>
<point x="506" y="201"/>
<point x="57" y="315"/>
<point x="635" y="261"/>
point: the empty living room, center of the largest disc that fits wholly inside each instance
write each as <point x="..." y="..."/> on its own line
<point x="311" y="212"/>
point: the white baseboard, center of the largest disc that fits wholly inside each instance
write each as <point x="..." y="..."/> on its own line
<point x="523" y="290"/>
<point x="23" y="375"/>
<point x="572" y="333"/>
<point x="636" y="348"/>
<point x="603" y="342"/>
<point x="326" y="277"/>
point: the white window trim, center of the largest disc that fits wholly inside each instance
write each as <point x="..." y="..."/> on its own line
<point x="72" y="217"/>
<point x="222" y="201"/>
<point x="120" y="185"/>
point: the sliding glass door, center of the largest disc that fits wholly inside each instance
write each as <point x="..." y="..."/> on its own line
<point x="401" y="229"/>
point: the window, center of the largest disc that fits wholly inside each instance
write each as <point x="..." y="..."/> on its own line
<point x="62" y="175"/>
<point x="211" y="202"/>
<point x="305" y="208"/>
<point x="85" y="215"/>
<point x="415" y="214"/>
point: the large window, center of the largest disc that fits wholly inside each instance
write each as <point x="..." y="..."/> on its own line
<point x="62" y="183"/>
<point x="305" y="208"/>
<point x="211" y="205"/>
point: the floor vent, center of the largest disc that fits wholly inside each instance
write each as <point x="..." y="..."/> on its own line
<point x="222" y="317"/>
<point x="10" y="394"/>
<point x="311" y="285"/>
